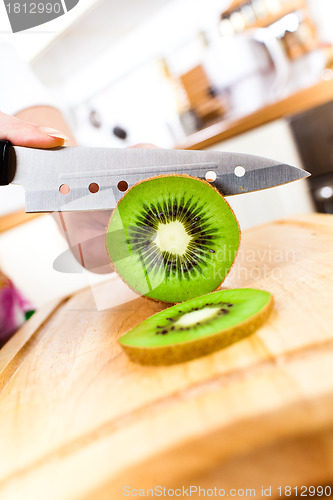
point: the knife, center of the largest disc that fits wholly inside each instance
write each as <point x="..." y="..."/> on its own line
<point x="79" y="178"/>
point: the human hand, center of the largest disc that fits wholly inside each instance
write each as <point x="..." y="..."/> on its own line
<point x="84" y="231"/>
<point x="23" y="133"/>
<point x="77" y="227"/>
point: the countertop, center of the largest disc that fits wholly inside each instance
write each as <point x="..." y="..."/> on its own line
<point x="298" y="102"/>
<point x="79" y="421"/>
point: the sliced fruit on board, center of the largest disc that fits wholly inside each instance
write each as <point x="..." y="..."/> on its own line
<point x="197" y="327"/>
<point x="173" y="238"/>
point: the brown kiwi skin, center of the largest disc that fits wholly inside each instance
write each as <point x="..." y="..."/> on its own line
<point x="158" y="177"/>
<point x="179" y="353"/>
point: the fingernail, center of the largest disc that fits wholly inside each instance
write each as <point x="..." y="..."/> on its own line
<point x="52" y="132"/>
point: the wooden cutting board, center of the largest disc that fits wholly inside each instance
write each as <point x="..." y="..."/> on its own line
<point x="78" y="421"/>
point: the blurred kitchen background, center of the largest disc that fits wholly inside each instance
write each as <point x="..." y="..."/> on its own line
<point x="252" y="76"/>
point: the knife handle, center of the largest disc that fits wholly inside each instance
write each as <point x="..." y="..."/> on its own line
<point x="5" y="171"/>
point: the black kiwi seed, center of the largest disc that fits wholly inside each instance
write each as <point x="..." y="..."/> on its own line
<point x="223" y="311"/>
<point x="163" y="332"/>
<point x="211" y="251"/>
<point x="189" y="213"/>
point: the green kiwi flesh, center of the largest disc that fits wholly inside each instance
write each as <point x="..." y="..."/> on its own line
<point x="197" y="327"/>
<point x="173" y="238"/>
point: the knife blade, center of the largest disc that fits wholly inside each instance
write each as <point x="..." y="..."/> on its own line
<point x="47" y="174"/>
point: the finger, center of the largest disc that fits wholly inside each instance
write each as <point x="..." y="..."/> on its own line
<point x="21" y="133"/>
<point x="145" y="145"/>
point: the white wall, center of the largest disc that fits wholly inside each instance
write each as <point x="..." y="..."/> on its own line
<point x="322" y="14"/>
<point x="132" y="33"/>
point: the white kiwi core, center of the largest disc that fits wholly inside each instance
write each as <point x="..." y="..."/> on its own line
<point x="172" y="237"/>
<point x="194" y="317"/>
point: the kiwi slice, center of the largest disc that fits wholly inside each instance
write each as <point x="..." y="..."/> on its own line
<point x="197" y="327"/>
<point x="173" y="238"/>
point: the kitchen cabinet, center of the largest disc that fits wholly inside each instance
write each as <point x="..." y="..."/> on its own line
<point x="312" y="131"/>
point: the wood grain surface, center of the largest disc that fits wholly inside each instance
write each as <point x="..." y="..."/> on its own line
<point x="78" y="421"/>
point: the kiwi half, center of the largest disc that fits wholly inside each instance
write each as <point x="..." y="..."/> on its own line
<point x="173" y="238"/>
<point x="197" y="327"/>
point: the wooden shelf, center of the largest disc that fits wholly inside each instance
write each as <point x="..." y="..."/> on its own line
<point x="296" y="103"/>
<point x="272" y="18"/>
<point x="290" y="7"/>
